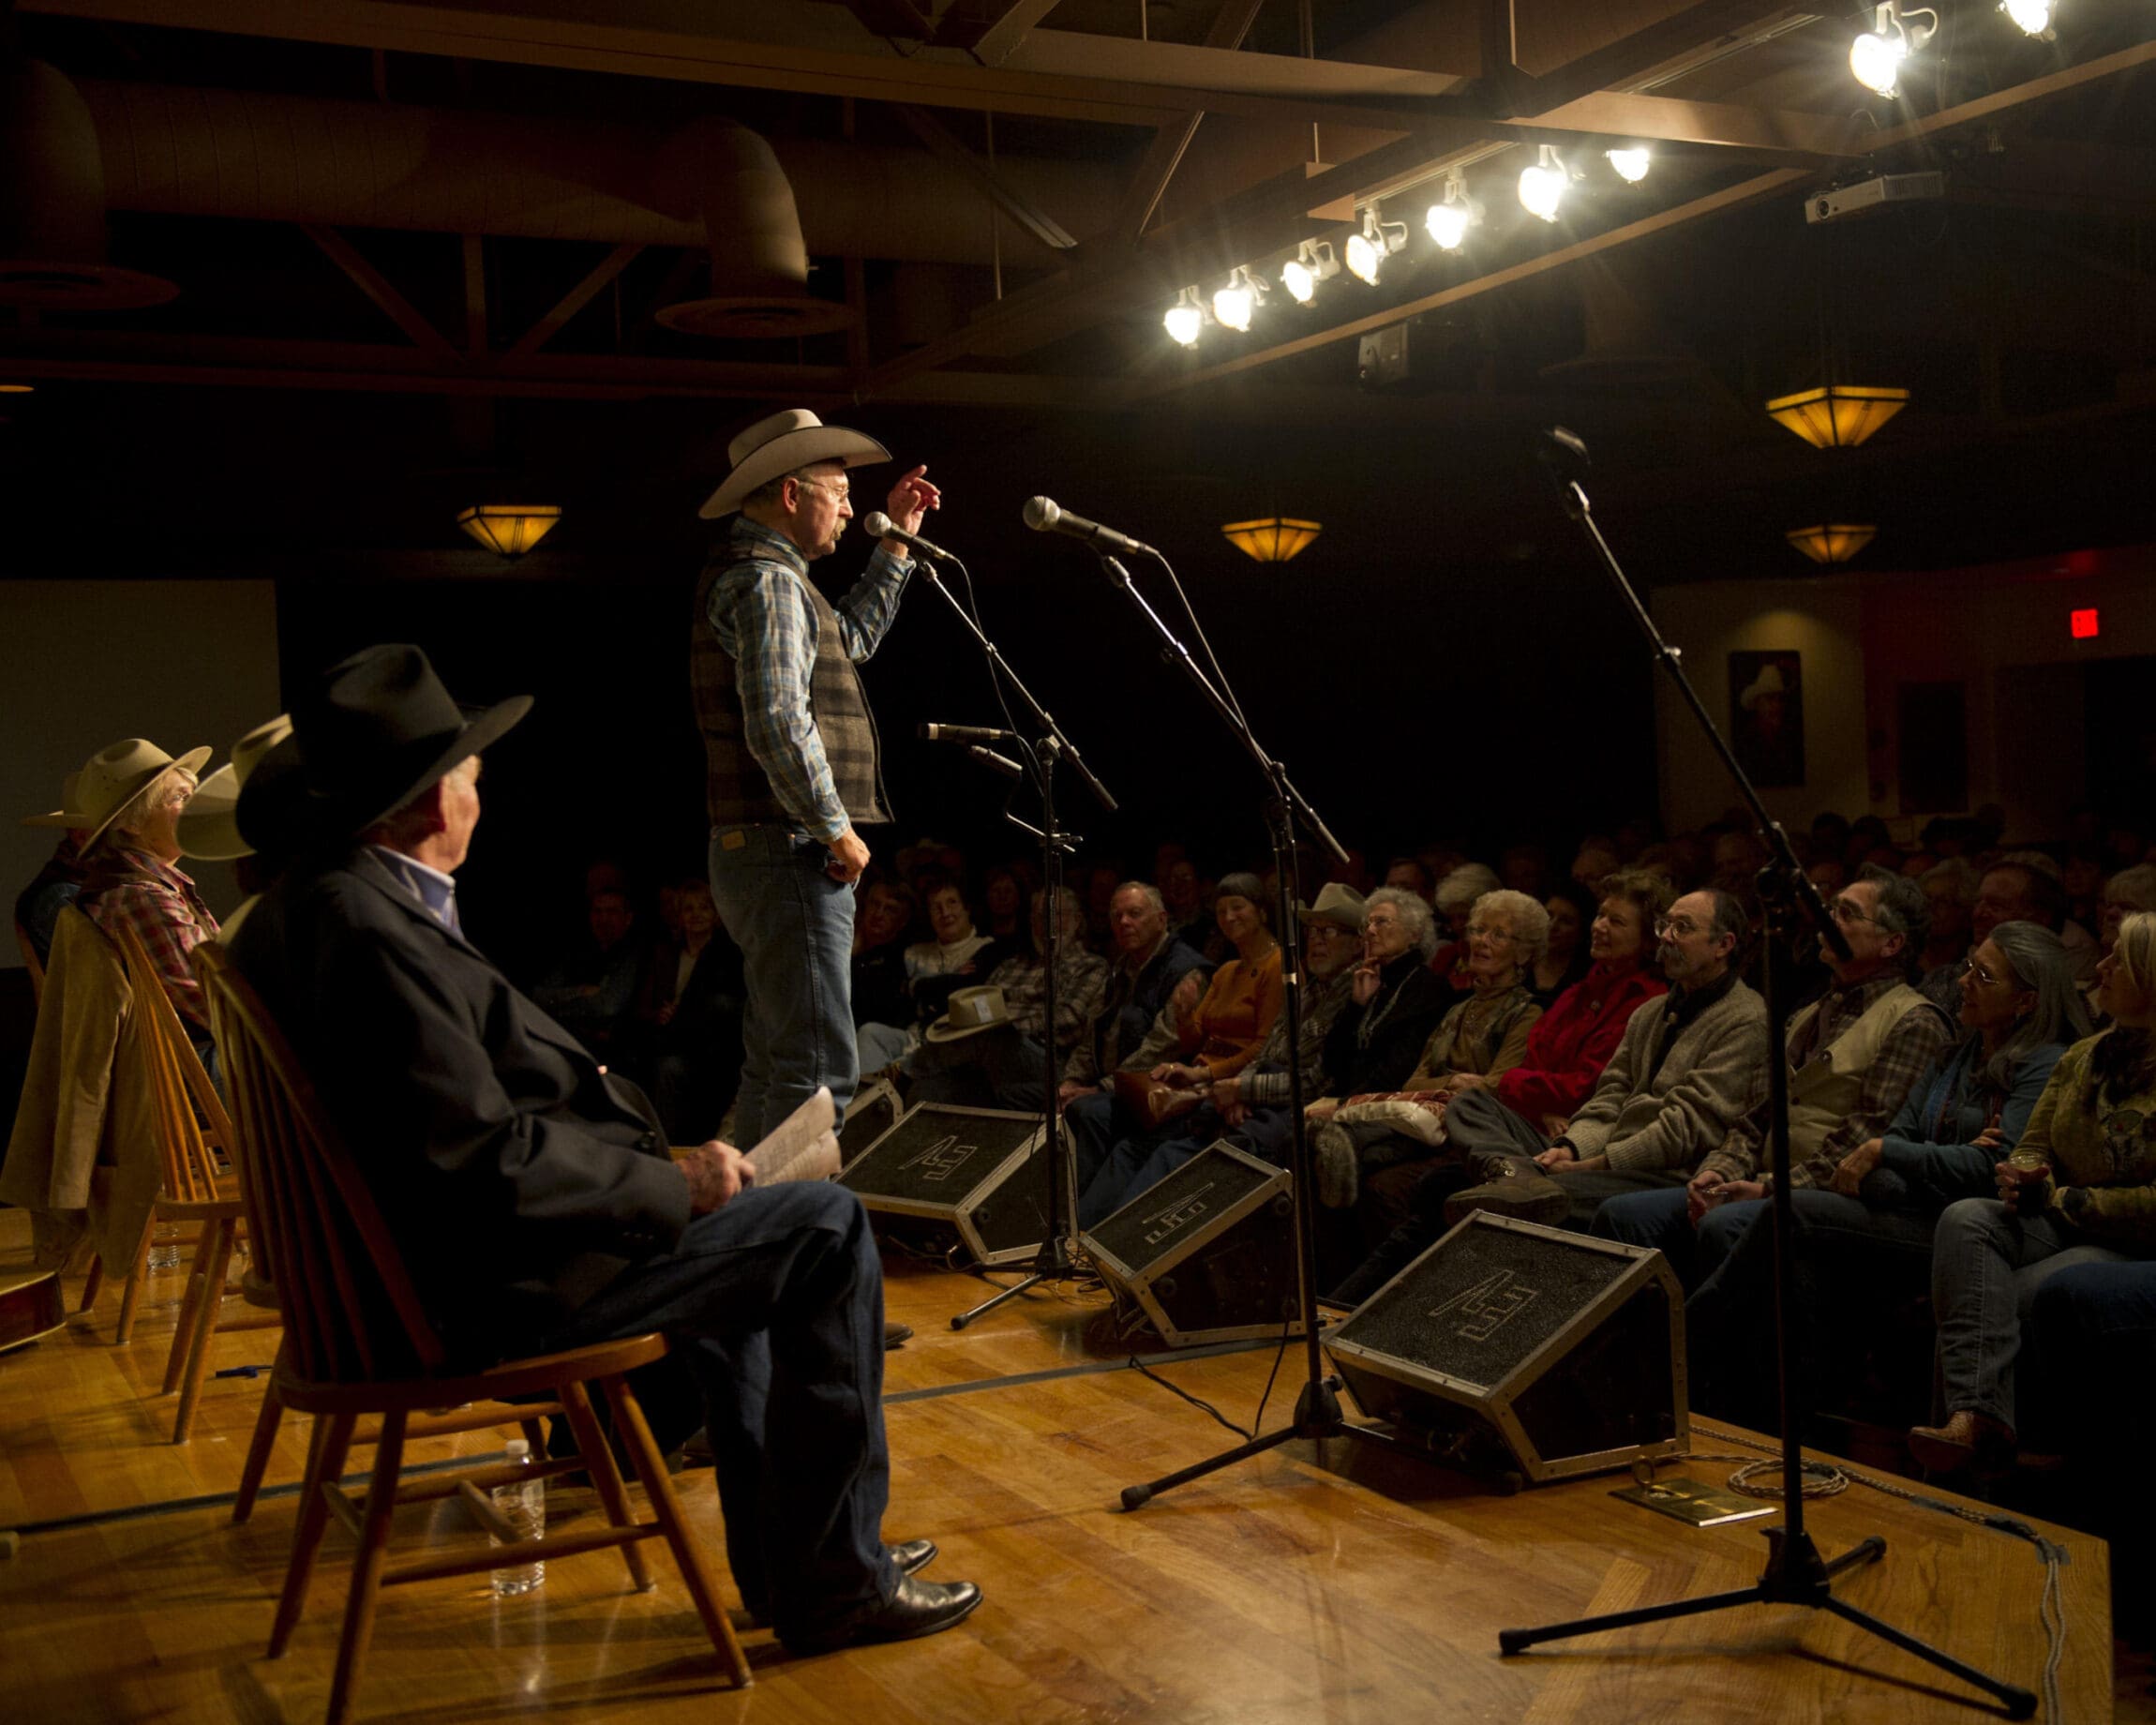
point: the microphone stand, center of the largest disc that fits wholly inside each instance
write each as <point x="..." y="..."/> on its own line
<point x="1795" y="1573"/>
<point x="1058" y="1256"/>
<point x="1317" y="1413"/>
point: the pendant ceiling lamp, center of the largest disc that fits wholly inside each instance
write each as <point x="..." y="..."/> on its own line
<point x="1272" y="540"/>
<point x="509" y="529"/>
<point x="1834" y="544"/>
<point x="1837" y="415"/>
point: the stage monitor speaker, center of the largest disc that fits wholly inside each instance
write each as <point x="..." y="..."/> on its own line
<point x="970" y="1178"/>
<point x="1209" y="1253"/>
<point x="874" y="1110"/>
<point x="1569" y="1351"/>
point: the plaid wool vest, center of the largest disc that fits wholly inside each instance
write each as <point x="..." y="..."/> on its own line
<point x="736" y="791"/>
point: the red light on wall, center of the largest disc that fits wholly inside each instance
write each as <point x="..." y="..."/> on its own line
<point x="2083" y="623"/>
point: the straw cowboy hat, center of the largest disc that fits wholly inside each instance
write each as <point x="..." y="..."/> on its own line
<point x="1769" y="682"/>
<point x="782" y="445"/>
<point x="374" y="731"/>
<point x="116" y="774"/>
<point x="209" y="825"/>
<point x="1338" y="905"/>
<point x="972" y="1010"/>
<point x="67" y="815"/>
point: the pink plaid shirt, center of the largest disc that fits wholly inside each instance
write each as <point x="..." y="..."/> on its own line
<point x="161" y="904"/>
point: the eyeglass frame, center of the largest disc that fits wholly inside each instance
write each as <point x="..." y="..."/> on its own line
<point x="816" y="482"/>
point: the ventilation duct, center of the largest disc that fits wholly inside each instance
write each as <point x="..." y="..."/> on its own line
<point x="53" y="202"/>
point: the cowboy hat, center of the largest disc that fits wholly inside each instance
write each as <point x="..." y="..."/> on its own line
<point x="67" y="815"/>
<point x="1769" y="682"/>
<point x="972" y="1010"/>
<point x="209" y="825"/>
<point x="782" y="445"/>
<point x="375" y="731"/>
<point x="116" y="774"/>
<point x="1337" y="904"/>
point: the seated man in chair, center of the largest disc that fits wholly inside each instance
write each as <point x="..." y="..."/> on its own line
<point x="531" y="1195"/>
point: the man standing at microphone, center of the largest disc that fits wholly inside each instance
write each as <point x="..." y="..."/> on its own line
<point x="790" y="749"/>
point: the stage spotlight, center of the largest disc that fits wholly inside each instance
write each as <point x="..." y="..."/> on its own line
<point x="1542" y="186"/>
<point x="2033" y="16"/>
<point x="1185" y="321"/>
<point x="1448" y="221"/>
<point x="1367" y="251"/>
<point x="1876" y="56"/>
<point x="1631" y="164"/>
<point x="1234" y="304"/>
<point x="1302" y="273"/>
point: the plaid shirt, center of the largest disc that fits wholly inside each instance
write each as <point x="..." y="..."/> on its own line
<point x="1907" y="1052"/>
<point x="766" y="627"/>
<point x="1081" y="979"/>
<point x="134" y="890"/>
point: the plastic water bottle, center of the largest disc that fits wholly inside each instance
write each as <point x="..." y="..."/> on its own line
<point x="523" y="1505"/>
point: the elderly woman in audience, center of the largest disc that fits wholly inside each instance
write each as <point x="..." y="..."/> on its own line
<point x="1454" y="901"/>
<point x="2082" y="1188"/>
<point x="1869" y="1237"/>
<point x="1220" y="1034"/>
<point x="1566" y="958"/>
<point x="1479" y="1039"/>
<point x="957" y="955"/>
<point x="1006" y="1066"/>
<point x="1393" y="1001"/>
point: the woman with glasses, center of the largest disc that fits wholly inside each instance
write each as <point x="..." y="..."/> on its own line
<point x="2087" y="1193"/>
<point x="1865" y="1242"/>
<point x="1479" y="1039"/>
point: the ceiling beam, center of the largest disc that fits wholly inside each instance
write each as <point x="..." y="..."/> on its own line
<point x="936" y="137"/>
<point x="1626" y="56"/>
<point x="993" y="39"/>
<point x="571" y="303"/>
<point x="377" y="288"/>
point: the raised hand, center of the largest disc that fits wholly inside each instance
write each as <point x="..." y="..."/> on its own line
<point x="911" y="498"/>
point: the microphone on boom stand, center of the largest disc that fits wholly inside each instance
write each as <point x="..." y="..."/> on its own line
<point x="878" y="525"/>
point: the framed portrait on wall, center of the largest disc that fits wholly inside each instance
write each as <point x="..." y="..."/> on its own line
<point x="1767" y="715"/>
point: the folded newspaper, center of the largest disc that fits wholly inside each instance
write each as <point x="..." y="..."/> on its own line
<point x="801" y="1147"/>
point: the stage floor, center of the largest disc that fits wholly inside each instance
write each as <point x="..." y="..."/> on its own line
<point x="1348" y="1585"/>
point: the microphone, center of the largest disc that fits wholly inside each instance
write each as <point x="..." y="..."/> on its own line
<point x="1043" y="516"/>
<point x="878" y="525"/>
<point x="994" y="762"/>
<point x="967" y="733"/>
<point x="1564" y="453"/>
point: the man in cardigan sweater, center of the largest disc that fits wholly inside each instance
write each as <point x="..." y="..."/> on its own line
<point x="791" y="755"/>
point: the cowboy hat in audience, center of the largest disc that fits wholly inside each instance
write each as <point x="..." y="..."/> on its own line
<point x="67" y="815"/>
<point x="209" y="825"/>
<point x="972" y="1010"/>
<point x="116" y="774"/>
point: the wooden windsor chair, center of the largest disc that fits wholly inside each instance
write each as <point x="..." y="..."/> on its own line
<point x="357" y="1343"/>
<point x="193" y="1135"/>
<point x="95" y="1280"/>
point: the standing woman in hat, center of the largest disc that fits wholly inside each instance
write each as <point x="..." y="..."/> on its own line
<point x="791" y="755"/>
<point x="132" y="794"/>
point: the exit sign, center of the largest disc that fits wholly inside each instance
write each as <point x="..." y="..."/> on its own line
<point x="2083" y="623"/>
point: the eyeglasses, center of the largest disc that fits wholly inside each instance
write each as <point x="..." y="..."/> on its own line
<point x="843" y="493"/>
<point x="1683" y="927"/>
<point x="1848" y="912"/>
<point x="1983" y="978"/>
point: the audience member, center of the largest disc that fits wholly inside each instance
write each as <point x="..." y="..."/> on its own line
<point x="1596" y="860"/>
<point x="1457" y="891"/>
<point x="1221" y="1034"/>
<point x="1525" y="868"/>
<point x="1189" y="921"/>
<point x="879" y="980"/>
<point x="1147" y="965"/>
<point x="1949" y="886"/>
<point x="594" y="991"/>
<point x="692" y="1006"/>
<point x="1852" y="1054"/>
<point x="2090" y="1197"/>
<point x="955" y="957"/>
<point x="1571" y="909"/>
<point x="1003" y="897"/>
<point x="132" y="795"/>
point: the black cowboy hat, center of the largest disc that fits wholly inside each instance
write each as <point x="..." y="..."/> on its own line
<point x="375" y="730"/>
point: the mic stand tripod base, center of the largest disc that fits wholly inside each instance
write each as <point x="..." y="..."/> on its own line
<point x="1795" y="1575"/>
<point x="1052" y="1263"/>
<point x="1317" y="1417"/>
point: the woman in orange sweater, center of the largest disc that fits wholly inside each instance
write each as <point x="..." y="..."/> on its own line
<point x="1218" y="1037"/>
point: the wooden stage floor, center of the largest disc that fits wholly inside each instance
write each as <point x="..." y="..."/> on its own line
<point x="1347" y="1587"/>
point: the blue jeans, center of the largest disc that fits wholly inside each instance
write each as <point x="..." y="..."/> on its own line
<point x="2089" y="1328"/>
<point x="775" y="1302"/>
<point x="794" y="924"/>
<point x="1658" y="1218"/>
<point x="1986" y="1269"/>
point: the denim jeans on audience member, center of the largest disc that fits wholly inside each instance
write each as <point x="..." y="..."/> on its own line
<point x="2090" y="1328"/>
<point x="1659" y="1218"/>
<point x="794" y="924"/>
<point x="1987" y="1267"/>
<point x="776" y="1303"/>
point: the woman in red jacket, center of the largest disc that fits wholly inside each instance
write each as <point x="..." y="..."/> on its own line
<point x="1573" y="1040"/>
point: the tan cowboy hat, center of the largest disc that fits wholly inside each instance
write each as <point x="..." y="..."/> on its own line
<point x="67" y="815"/>
<point x="972" y="1010"/>
<point x="116" y="775"/>
<point x="1337" y="904"/>
<point x="209" y="825"/>
<point x="784" y="444"/>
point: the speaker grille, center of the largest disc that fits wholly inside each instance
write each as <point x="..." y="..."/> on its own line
<point x="939" y="1155"/>
<point x="1477" y="1307"/>
<point x="1152" y="1225"/>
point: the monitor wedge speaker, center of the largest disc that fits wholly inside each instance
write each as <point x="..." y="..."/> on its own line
<point x="1209" y="1253"/>
<point x="966" y="1180"/>
<point x="1566" y="1351"/>
<point x="874" y="1110"/>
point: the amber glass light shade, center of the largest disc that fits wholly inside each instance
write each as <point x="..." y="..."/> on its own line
<point x="1838" y="417"/>
<point x="1273" y="540"/>
<point x="509" y="529"/>
<point x="1834" y="544"/>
